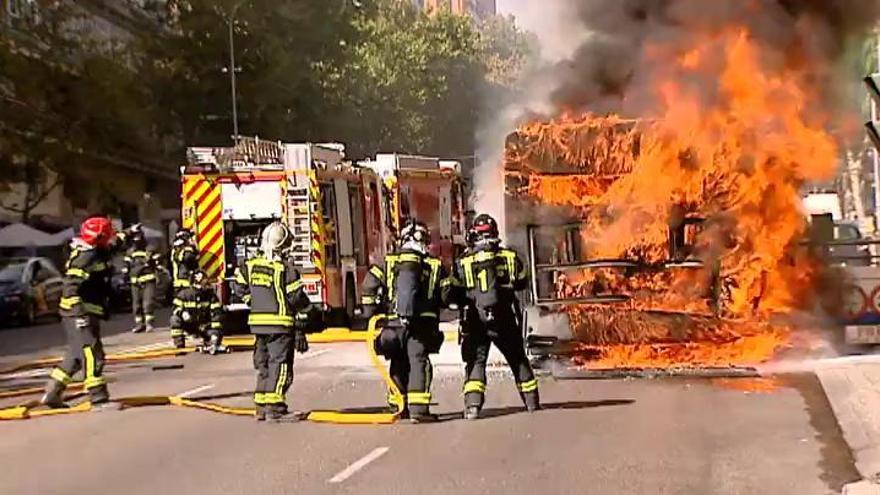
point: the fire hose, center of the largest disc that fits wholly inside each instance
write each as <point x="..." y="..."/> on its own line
<point x="28" y="410"/>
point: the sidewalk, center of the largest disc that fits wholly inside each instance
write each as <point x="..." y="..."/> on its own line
<point x="852" y="386"/>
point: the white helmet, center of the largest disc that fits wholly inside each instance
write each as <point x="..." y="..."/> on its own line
<point x="275" y="239"/>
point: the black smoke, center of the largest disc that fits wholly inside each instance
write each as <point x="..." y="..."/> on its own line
<point x="810" y="35"/>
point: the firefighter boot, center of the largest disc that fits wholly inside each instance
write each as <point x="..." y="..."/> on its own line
<point x="100" y="400"/>
<point x="531" y="400"/>
<point x="260" y="413"/>
<point x="214" y="346"/>
<point x="472" y="413"/>
<point x="278" y="413"/>
<point x="53" y="396"/>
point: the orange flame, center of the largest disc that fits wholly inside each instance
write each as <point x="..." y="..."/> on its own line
<point x="734" y="153"/>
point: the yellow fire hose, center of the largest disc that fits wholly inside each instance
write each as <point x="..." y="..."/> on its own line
<point x="337" y="417"/>
<point x="396" y="397"/>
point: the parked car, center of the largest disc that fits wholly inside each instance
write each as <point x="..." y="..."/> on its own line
<point x="30" y="288"/>
<point x="121" y="296"/>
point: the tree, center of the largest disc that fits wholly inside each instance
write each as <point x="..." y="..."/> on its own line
<point x="281" y="47"/>
<point x="68" y="106"/>
<point x="411" y="82"/>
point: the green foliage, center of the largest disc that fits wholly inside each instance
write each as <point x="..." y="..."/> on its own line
<point x="377" y="75"/>
<point x="68" y="107"/>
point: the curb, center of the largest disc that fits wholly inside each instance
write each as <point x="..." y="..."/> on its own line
<point x="853" y="397"/>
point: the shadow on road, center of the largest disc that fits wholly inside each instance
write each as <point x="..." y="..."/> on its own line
<point x="836" y="463"/>
<point x="498" y="412"/>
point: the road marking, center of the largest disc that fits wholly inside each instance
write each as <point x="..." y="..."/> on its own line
<point x="196" y="390"/>
<point x="312" y="355"/>
<point x="27" y="374"/>
<point x="148" y="347"/>
<point x="358" y="465"/>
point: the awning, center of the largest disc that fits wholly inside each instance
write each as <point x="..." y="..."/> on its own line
<point x="19" y="235"/>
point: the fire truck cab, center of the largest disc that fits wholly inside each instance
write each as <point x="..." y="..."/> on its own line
<point x="343" y="216"/>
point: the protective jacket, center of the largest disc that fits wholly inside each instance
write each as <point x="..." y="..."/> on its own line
<point x="184" y="260"/>
<point x="86" y="284"/>
<point x="142" y="264"/>
<point x="408" y="286"/>
<point x="198" y="308"/>
<point x="485" y="280"/>
<point x="275" y="293"/>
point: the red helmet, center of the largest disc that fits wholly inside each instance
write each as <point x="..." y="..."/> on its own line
<point x="97" y="231"/>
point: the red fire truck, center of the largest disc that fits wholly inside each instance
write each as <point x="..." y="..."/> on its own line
<point x="343" y="215"/>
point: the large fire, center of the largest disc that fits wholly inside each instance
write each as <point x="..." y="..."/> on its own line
<point x="724" y="165"/>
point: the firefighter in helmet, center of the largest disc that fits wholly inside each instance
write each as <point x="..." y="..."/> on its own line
<point x="184" y="258"/>
<point x="197" y="312"/>
<point x="272" y="287"/>
<point x="484" y="284"/>
<point x="407" y="290"/>
<point x="142" y="266"/>
<point x="85" y="294"/>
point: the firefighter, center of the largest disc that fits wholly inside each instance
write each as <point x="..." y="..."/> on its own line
<point x="142" y="266"/>
<point x="184" y="259"/>
<point x="197" y="312"/>
<point x="407" y="291"/>
<point x="85" y="294"/>
<point x="484" y="284"/>
<point x="274" y="291"/>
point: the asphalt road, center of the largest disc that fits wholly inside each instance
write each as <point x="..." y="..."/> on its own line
<point x="663" y="436"/>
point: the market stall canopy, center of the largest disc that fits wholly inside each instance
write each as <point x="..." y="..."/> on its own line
<point x="19" y="235"/>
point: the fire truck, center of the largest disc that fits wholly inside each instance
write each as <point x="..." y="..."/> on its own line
<point x="343" y="215"/>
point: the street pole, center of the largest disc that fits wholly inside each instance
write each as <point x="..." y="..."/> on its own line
<point x="230" y="21"/>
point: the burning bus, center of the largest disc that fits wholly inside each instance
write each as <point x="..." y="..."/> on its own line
<point x="673" y="242"/>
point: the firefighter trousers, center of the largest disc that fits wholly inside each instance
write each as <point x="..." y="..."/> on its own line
<point x="273" y="360"/>
<point x="412" y="371"/>
<point x="84" y="351"/>
<point x="475" y="347"/>
<point x="180" y="329"/>
<point x="143" y="296"/>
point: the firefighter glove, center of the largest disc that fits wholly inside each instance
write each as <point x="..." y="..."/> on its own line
<point x="300" y="343"/>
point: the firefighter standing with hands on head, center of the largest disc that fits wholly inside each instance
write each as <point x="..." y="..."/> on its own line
<point x="84" y="302"/>
<point x="274" y="291"/>
<point x="198" y="312"/>
<point x="184" y="259"/>
<point x="407" y="290"/>
<point x="484" y="285"/>
<point x="142" y="266"/>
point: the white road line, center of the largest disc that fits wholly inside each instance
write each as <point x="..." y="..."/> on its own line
<point x="148" y="347"/>
<point x="27" y="374"/>
<point x="358" y="465"/>
<point x="313" y="354"/>
<point x="196" y="390"/>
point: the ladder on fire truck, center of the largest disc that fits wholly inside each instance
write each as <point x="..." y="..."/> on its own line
<point x="299" y="217"/>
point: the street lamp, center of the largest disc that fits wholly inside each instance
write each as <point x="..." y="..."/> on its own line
<point x="232" y="69"/>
